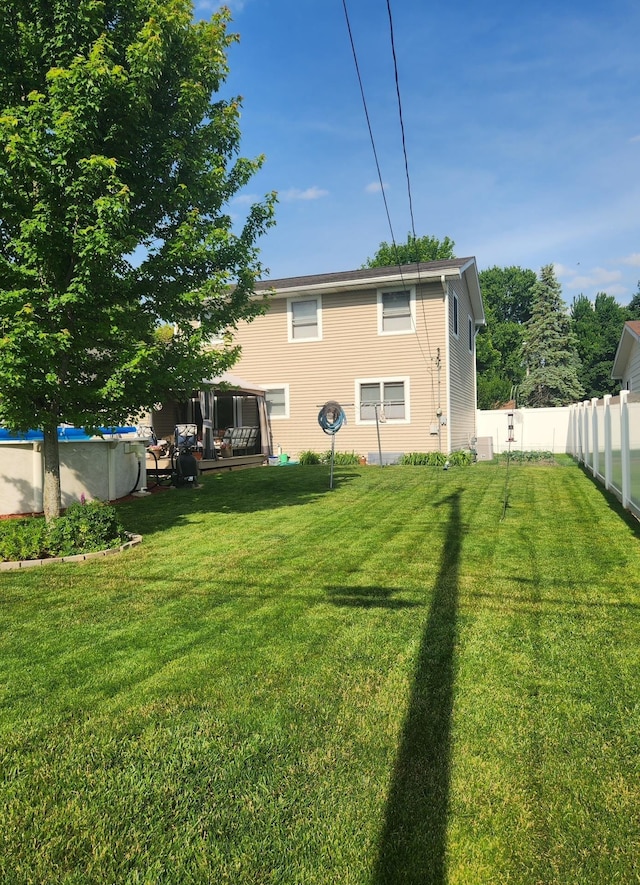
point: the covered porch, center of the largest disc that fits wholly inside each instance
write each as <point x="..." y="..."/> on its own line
<point x="230" y="415"/>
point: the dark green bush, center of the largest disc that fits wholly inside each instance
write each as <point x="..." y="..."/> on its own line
<point x="82" y="529"/>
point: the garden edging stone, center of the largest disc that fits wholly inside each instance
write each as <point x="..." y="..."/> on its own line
<point x="77" y="557"/>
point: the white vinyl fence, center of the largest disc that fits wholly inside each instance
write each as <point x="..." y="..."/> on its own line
<point x="526" y="430"/>
<point x="605" y="437"/>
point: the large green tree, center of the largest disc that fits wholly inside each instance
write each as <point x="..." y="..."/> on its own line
<point x="507" y="298"/>
<point x="633" y="308"/>
<point x="597" y="327"/>
<point x="549" y="348"/>
<point x="117" y="157"/>
<point x="416" y="249"/>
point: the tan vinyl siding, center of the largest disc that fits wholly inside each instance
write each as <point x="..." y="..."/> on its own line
<point x="350" y="349"/>
<point x="633" y="370"/>
<point x="462" y="400"/>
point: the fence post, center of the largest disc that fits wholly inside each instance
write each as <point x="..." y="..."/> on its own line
<point x="625" y="445"/>
<point x="607" y="442"/>
<point x="586" y="414"/>
<point x="594" y="435"/>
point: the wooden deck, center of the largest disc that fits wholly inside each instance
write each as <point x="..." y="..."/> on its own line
<point x="236" y="462"/>
<point x="160" y="470"/>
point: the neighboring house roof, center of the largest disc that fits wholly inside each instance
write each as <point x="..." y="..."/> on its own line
<point x="453" y="268"/>
<point x="630" y="336"/>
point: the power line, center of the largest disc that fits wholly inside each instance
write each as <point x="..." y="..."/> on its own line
<point x="366" y="113"/>
<point x="428" y="361"/>
<point x="404" y="143"/>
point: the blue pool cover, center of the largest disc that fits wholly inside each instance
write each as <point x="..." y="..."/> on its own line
<point x="64" y="433"/>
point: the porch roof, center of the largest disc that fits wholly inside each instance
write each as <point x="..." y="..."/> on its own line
<point x="234" y="384"/>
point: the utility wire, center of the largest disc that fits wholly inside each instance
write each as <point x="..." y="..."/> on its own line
<point x="404" y="143"/>
<point x="409" y="194"/>
<point x="366" y="113"/>
<point x="428" y="360"/>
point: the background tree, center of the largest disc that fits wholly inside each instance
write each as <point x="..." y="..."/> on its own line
<point x="115" y="166"/>
<point x="416" y="249"/>
<point x="549" y="349"/>
<point x="633" y="308"/>
<point x="597" y="328"/>
<point x="506" y="293"/>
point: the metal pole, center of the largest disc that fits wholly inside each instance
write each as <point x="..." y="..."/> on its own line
<point x="378" y="432"/>
<point x="333" y="448"/>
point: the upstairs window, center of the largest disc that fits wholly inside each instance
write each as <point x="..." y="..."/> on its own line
<point x="455" y="315"/>
<point x="470" y="335"/>
<point x="305" y="319"/>
<point x="396" y="312"/>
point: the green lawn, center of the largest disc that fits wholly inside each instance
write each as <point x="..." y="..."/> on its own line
<point x="422" y="676"/>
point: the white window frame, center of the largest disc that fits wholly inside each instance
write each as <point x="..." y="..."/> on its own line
<point x="471" y="335"/>
<point x="295" y="300"/>
<point x="273" y="386"/>
<point x="404" y="379"/>
<point x="455" y="316"/>
<point x="412" y="310"/>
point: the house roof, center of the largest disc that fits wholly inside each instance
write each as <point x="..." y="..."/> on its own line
<point x="343" y="281"/>
<point x="630" y="336"/>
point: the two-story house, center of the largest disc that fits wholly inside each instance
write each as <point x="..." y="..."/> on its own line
<point x="395" y="346"/>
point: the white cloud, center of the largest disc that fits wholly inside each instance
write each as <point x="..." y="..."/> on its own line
<point x="636" y="138"/>
<point x="294" y="193"/>
<point x="206" y="8"/>
<point x="246" y="199"/>
<point x="598" y="277"/>
<point x="375" y="188"/>
<point x="633" y="260"/>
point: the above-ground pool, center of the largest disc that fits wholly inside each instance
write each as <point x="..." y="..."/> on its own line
<point x="103" y="467"/>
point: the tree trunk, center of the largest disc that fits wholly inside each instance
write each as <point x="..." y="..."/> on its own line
<point x="51" y="494"/>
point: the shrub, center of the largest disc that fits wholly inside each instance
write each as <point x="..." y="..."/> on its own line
<point x="461" y="458"/>
<point x="23" y="539"/>
<point x="437" y="459"/>
<point x="341" y="459"/>
<point x="528" y="457"/>
<point x="83" y="528"/>
<point x="309" y="457"/>
<point x="423" y="459"/>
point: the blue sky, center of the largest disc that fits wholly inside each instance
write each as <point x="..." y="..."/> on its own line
<point x="522" y="127"/>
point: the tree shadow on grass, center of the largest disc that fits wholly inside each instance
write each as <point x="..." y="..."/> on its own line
<point x="242" y="491"/>
<point x="369" y="597"/>
<point x="412" y="846"/>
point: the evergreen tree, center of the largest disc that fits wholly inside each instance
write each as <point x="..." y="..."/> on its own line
<point x="549" y="348"/>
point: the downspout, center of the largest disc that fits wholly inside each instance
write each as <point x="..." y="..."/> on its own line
<point x="447" y="357"/>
